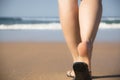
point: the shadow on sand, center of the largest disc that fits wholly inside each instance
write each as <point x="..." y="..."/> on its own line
<point x="106" y="76"/>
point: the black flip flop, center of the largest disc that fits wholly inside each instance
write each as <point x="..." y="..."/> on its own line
<point x="81" y="71"/>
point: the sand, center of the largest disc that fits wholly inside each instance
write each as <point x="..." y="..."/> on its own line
<point x="51" y="60"/>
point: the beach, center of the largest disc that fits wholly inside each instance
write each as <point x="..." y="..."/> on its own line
<point x="51" y="60"/>
<point x="35" y="49"/>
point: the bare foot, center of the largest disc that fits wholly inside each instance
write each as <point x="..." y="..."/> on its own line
<point x="84" y="50"/>
<point x="71" y="74"/>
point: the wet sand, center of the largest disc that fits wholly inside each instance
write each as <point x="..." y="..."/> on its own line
<point x="51" y="60"/>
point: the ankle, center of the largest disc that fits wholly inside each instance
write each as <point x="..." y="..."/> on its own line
<point x="85" y="48"/>
<point x="87" y="44"/>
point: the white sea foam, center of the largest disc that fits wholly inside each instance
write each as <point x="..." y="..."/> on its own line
<point x="109" y="26"/>
<point x="50" y="26"/>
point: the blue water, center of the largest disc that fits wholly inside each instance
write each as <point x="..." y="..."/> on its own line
<point x="28" y="20"/>
<point x="41" y="20"/>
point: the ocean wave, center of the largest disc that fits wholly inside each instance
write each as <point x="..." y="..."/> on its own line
<point x="50" y="26"/>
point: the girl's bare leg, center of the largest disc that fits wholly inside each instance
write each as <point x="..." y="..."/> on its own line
<point x="89" y="18"/>
<point x="68" y="10"/>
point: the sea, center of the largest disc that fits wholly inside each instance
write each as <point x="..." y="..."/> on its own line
<point x="37" y="29"/>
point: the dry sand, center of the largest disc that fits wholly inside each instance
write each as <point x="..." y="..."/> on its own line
<point x="51" y="60"/>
